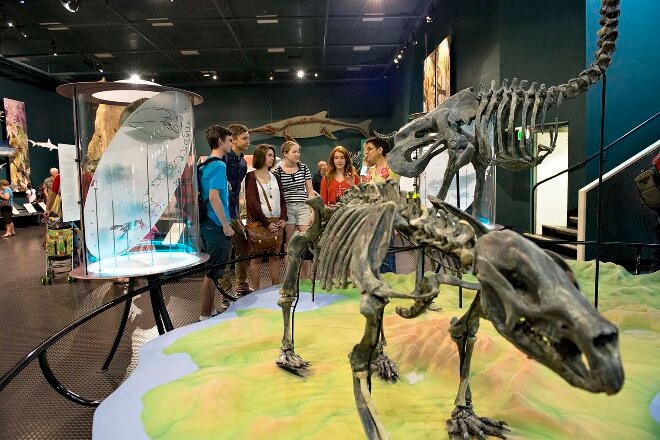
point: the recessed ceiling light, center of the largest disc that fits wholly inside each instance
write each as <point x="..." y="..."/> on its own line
<point x="267" y="19"/>
<point x="104" y="55"/>
<point x="162" y="24"/>
<point x="373" y="17"/>
<point x="10" y="23"/>
<point x="215" y="76"/>
<point x="271" y="77"/>
<point x="275" y="50"/>
<point x="58" y="28"/>
<point x="300" y="74"/>
<point x="207" y="75"/>
<point x="316" y="75"/>
<point x="361" y="48"/>
<point x="134" y="77"/>
<point x="282" y="70"/>
<point x="354" y="68"/>
<point x="189" y="52"/>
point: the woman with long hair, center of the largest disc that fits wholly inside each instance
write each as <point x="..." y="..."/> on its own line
<point x="6" y="203"/>
<point x="341" y="176"/>
<point x="296" y="182"/>
<point x="265" y="204"/>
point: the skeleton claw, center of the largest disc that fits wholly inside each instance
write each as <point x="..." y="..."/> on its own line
<point x="291" y="362"/>
<point x="386" y="368"/>
<point x="464" y="423"/>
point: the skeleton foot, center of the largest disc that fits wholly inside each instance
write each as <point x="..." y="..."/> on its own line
<point x="434" y="307"/>
<point x="386" y="368"/>
<point x="291" y="362"/>
<point x="464" y="423"/>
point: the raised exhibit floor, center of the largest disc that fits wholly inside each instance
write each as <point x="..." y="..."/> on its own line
<point x="218" y="379"/>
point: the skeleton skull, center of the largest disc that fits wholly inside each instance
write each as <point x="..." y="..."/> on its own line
<point x="445" y="127"/>
<point x="532" y="299"/>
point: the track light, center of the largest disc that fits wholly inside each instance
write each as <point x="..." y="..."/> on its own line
<point x="215" y="76"/>
<point x="53" y="46"/>
<point x="270" y="76"/>
<point x="429" y="19"/>
<point x="396" y="61"/>
<point x="301" y="74"/>
<point x="316" y="75"/>
<point x="10" y="24"/>
<point x="100" y="67"/>
<point x="71" y="5"/>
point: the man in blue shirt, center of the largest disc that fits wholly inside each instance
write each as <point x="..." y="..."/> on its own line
<point x="236" y="171"/>
<point x="216" y="229"/>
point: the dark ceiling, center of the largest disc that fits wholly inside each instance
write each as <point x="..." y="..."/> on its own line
<point x="178" y="42"/>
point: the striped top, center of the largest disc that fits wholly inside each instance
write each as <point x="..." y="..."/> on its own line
<point x="293" y="185"/>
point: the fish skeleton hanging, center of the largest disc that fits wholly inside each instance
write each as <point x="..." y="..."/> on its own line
<point x="48" y="144"/>
<point x="310" y="126"/>
<point x="138" y="174"/>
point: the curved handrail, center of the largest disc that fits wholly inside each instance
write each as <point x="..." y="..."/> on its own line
<point x="45" y="345"/>
<point x="581" y="164"/>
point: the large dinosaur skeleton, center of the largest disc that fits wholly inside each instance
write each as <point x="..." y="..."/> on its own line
<point x="529" y="295"/>
<point x="480" y="128"/>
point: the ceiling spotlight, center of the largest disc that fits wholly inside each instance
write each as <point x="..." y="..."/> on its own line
<point x="399" y="56"/>
<point x="153" y="80"/>
<point x="270" y="76"/>
<point x="429" y="19"/>
<point x="396" y="61"/>
<point x="415" y="41"/>
<point x="134" y="77"/>
<point x="215" y="76"/>
<point x="316" y="75"/>
<point x="22" y="32"/>
<point x="71" y="5"/>
<point x="301" y="74"/>
<point x="100" y="68"/>
<point x="207" y="75"/>
<point x="10" y="24"/>
<point x="53" y="46"/>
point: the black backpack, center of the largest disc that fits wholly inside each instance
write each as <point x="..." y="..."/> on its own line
<point x="202" y="202"/>
<point x="648" y="187"/>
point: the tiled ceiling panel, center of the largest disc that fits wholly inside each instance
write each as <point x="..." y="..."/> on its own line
<point x="148" y="36"/>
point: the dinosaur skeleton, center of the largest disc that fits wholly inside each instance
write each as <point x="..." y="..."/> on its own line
<point x="529" y="295"/>
<point x="479" y="128"/>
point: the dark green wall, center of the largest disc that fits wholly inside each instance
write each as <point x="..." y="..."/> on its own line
<point x="257" y="105"/>
<point x="48" y="116"/>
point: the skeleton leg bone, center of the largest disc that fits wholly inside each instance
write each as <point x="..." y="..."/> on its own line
<point x="464" y="422"/>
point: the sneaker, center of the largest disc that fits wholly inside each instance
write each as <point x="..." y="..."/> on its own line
<point x="243" y="291"/>
<point x="224" y="305"/>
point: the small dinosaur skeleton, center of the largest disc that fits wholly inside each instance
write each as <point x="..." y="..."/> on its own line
<point x="479" y="128"/>
<point x="529" y="295"/>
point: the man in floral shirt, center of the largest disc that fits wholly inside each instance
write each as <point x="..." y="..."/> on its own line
<point x="375" y="150"/>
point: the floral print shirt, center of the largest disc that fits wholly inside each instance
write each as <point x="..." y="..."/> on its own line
<point x="378" y="174"/>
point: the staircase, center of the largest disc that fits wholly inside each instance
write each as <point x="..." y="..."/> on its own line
<point x="551" y="234"/>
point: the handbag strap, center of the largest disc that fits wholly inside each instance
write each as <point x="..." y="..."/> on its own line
<point x="264" y="192"/>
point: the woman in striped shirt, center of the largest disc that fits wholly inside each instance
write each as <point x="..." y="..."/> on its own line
<point x="297" y="188"/>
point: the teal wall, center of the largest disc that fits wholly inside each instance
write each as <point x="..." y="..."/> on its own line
<point x="257" y="105"/>
<point x="48" y="116"/>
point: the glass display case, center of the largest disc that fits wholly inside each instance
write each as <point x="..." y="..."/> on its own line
<point x="136" y="156"/>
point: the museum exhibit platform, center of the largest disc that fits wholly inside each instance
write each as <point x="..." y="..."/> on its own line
<point x="218" y="378"/>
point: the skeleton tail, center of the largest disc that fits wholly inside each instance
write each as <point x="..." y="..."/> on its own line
<point x="500" y="108"/>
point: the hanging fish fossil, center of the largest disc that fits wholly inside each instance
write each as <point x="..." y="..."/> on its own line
<point x="310" y="126"/>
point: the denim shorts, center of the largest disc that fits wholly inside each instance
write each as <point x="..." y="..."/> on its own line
<point x="299" y="213"/>
<point x="218" y="246"/>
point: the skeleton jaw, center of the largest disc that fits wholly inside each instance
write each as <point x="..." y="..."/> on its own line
<point x="534" y="304"/>
<point x="416" y="139"/>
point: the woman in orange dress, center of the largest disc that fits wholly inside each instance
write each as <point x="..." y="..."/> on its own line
<point x="341" y="176"/>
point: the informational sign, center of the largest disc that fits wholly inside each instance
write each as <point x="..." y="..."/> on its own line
<point x="69" y="186"/>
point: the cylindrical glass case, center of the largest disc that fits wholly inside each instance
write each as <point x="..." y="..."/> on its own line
<point x="138" y="185"/>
